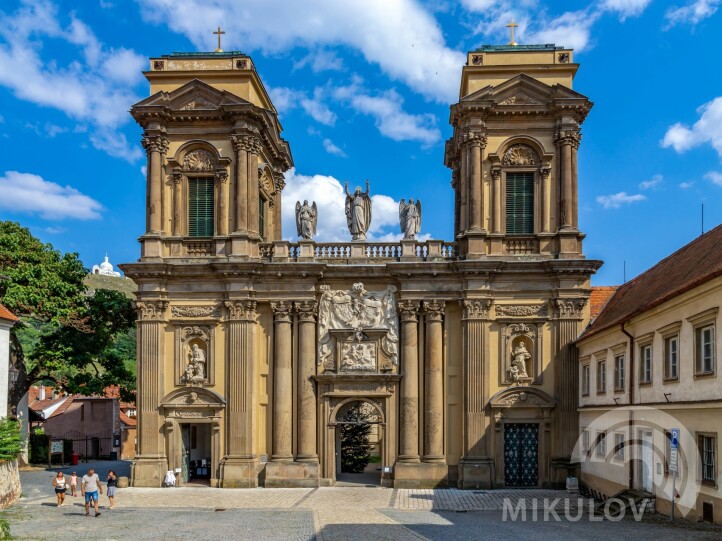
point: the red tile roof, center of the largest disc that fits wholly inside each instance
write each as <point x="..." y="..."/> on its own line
<point x="599" y="299"/>
<point x="127" y="421"/>
<point x="692" y="265"/>
<point x="7" y="314"/>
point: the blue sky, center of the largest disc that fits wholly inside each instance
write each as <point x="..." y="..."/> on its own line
<point x="363" y="88"/>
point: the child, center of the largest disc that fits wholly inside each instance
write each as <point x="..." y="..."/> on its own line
<point x="73" y="484"/>
<point x="59" y="484"/>
<point x="112" y="482"/>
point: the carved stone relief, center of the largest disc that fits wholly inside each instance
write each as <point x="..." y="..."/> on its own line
<point x="195" y="311"/>
<point x="198" y="103"/>
<point x="199" y="160"/>
<point x="520" y="154"/>
<point x="194" y="350"/>
<point x="570" y="308"/>
<point x="522" y="310"/>
<point x="522" y="98"/>
<point x="520" y="353"/>
<point x="356" y="320"/>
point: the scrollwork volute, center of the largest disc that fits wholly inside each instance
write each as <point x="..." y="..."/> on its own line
<point x="282" y="311"/>
<point x="152" y="143"/>
<point x="409" y="310"/>
<point x="569" y="137"/>
<point x="520" y="155"/>
<point x="306" y="310"/>
<point x="247" y="142"/>
<point x="434" y="310"/>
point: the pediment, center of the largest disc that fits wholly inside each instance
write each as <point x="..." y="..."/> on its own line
<point x="521" y="397"/>
<point x="192" y="397"/>
<point x="192" y="96"/>
<point x="523" y="90"/>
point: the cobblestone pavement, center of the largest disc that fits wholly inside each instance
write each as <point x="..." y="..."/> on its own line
<point x="323" y="514"/>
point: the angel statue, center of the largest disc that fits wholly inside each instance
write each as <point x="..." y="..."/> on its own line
<point x="306" y="219"/>
<point x="358" y="212"/>
<point x="410" y="218"/>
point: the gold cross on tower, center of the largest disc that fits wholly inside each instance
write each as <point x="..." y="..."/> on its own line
<point x="511" y="26"/>
<point x="219" y="33"/>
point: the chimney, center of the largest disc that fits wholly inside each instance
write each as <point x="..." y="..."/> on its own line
<point x="41" y="394"/>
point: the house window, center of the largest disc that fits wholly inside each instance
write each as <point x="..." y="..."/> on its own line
<point x="619" y="446"/>
<point x="602" y="444"/>
<point x="707" y="446"/>
<point x="671" y="357"/>
<point x="200" y="207"/>
<point x="585" y="442"/>
<point x="585" y="380"/>
<point x="601" y="376"/>
<point x="704" y="350"/>
<point x="619" y="373"/>
<point x="645" y="368"/>
<point x="520" y="203"/>
<point x="131" y="413"/>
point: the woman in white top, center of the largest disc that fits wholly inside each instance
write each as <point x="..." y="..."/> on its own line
<point x="59" y="484"/>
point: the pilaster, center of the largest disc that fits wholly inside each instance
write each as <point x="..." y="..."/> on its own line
<point x="282" y="382"/>
<point x="409" y="421"/>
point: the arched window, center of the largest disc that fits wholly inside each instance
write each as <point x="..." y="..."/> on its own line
<point x="520" y="164"/>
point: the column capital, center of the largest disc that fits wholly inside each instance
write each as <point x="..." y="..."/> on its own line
<point x="434" y="310"/>
<point x="152" y="142"/>
<point x="409" y="310"/>
<point x="306" y="310"/>
<point x="545" y="170"/>
<point x="176" y="175"/>
<point x="568" y="137"/>
<point x="474" y="138"/>
<point x="221" y="175"/>
<point x="164" y="144"/>
<point x="151" y="310"/>
<point x="247" y="142"/>
<point x="569" y="308"/>
<point x="282" y="311"/>
<point x="495" y="172"/>
<point x="476" y="308"/>
<point x="242" y="310"/>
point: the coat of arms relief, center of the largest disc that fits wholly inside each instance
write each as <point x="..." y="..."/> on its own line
<point x="358" y="330"/>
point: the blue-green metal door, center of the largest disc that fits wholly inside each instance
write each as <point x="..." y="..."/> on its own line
<point x="521" y="454"/>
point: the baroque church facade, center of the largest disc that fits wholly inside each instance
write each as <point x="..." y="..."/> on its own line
<point x="251" y="348"/>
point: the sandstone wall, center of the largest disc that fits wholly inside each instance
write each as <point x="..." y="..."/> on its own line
<point x="9" y="483"/>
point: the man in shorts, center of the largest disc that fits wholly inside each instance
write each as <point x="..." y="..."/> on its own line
<point x="89" y="487"/>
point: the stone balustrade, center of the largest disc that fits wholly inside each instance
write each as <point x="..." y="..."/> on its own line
<point x="405" y="250"/>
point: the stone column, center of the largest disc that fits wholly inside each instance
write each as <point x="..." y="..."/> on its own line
<point x="240" y="146"/>
<point x="253" y="190"/>
<point x="177" y="179"/>
<point x="280" y="184"/>
<point x="464" y="186"/>
<point x="457" y="200"/>
<point x="575" y="182"/>
<point x="545" y="172"/>
<point x="222" y="183"/>
<point x="239" y="463"/>
<point x="166" y="192"/>
<point x="496" y="188"/>
<point x="409" y="444"/>
<point x="151" y="461"/>
<point x="434" y="382"/>
<point x="153" y="144"/>
<point x="566" y="139"/>
<point x="477" y="197"/>
<point x="282" y="383"/>
<point x="307" y="312"/>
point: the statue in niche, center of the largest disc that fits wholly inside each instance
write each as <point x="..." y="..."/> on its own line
<point x="195" y="371"/>
<point x="358" y="212"/>
<point x="520" y="356"/>
<point x="410" y="218"/>
<point x="306" y="219"/>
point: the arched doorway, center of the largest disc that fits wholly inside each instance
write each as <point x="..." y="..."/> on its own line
<point x="359" y="443"/>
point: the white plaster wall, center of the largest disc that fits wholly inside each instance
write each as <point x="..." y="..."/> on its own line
<point x="4" y="367"/>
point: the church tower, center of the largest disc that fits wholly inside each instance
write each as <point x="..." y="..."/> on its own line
<point x="513" y="154"/>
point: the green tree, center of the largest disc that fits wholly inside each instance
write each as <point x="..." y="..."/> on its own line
<point x="78" y="342"/>
<point x="355" y="446"/>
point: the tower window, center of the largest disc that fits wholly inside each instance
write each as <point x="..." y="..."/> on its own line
<point x="200" y="207"/>
<point x="520" y="203"/>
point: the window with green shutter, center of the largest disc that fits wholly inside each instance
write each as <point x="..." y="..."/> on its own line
<point x="520" y="203"/>
<point x="262" y="217"/>
<point x="200" y="207"/>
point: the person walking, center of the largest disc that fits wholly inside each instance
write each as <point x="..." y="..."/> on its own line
<point x="74" y="484"/>
<point x="90" y="487"/>
<point x="59" y="483"/>
<point x="112" y="482"/>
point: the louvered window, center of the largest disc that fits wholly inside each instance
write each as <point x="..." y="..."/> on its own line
<point x="520" y="203"/>
<point x="200" y="207"/>
<point x="262" y="217"/>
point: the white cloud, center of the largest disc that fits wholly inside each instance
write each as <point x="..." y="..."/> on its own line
<point x="686" y="185"/>
<point x="625" y="8"/>
<point x="401" y="37"/>
<point x="692" y="13"/>
<point x="708" y="129"/>
<point x="714" y="177"/>
<point x="387" y="110"/>
<point x="116" y="144"/>
<point x="54" y="230"/>
<point x="85" y="88"/>
<point x="285" y="99"/>
<point x="571" y="29"/>
<point x="331" y="148"/>
<point x="653" y="182"/>
<point x="321" y="60"/>
<point x="25" y="192"/>
<point x="328" y="193"/>
<point x="614" y="201"/>
<point x="144" y="171"/>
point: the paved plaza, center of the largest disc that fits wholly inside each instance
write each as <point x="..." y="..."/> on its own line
<point x="323" y="514"/>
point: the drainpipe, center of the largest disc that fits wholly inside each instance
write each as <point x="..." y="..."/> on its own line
<point x="631" y="404"/>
